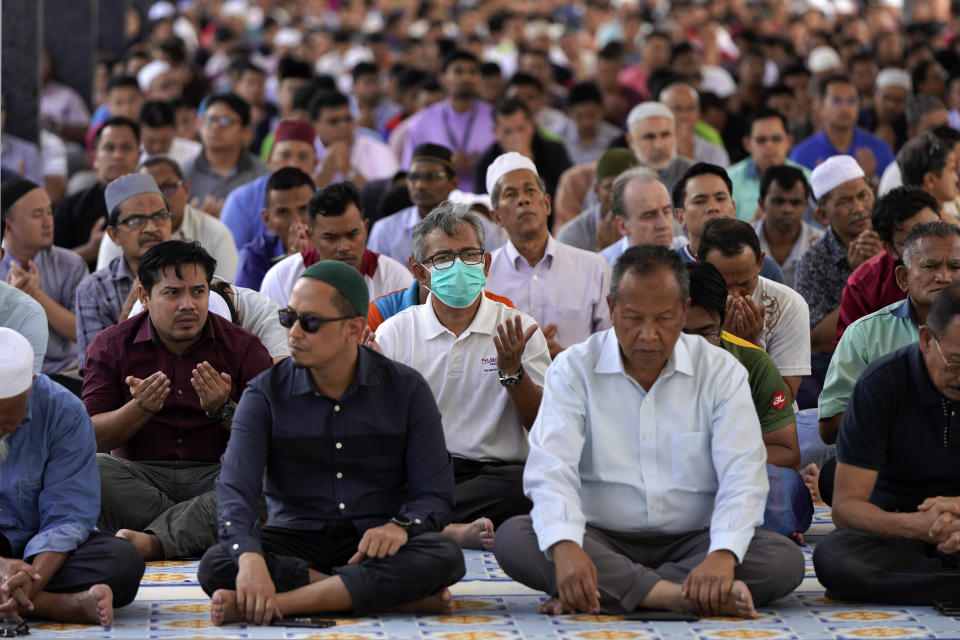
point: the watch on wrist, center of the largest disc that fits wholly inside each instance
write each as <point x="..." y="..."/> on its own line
<point x="402" y="522"/>
<point x="511" y="380"/>
<point x="224" y="413"/>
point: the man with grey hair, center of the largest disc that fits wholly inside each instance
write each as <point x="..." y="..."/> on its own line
<point x="643" y="211"/>
<point x="484" y="362"/>
<point x="681" y="533"/>
<point x="652" y="136"/>
<point x="563" y="288"/>
<point x="684" y="101"/>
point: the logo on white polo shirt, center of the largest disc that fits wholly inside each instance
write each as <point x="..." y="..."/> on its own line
<point x="779" y="400"/>
<point x="488" y="364"/>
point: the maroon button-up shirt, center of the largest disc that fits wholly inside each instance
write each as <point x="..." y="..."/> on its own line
<point x="871" y="287"/>
<point x="181" y="430"/>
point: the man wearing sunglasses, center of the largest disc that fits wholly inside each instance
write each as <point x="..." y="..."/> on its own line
<point x="187" y="222"/>
<point x="161" y="389"/>
<point x="896" y="495"/>
<point x="139" y="218"/>
<point x="359" y="482"/>
<point x="484" y="362"/>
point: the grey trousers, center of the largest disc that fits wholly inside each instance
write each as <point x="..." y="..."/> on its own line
<point x="858" y="566"/>
<point x="630" y="564"/>
<point x="175" y="501"/>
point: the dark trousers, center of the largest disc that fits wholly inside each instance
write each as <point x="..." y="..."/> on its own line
<point x="175" y="501"/>
<point x="858" y="566"/>
<point x="101" y="559"/>
<point x="825" y="482"/>
<point x="488" y="489"/>
<point x="630" y="564"/>
<point x="425" y="565"/>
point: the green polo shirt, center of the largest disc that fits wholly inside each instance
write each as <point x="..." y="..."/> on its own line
<point x="746" y="185"/>
<point x="870" y="337"/>
<point x="770" y="394"/>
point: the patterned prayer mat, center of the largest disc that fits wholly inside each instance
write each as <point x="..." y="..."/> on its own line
<point x="490" y="606"/>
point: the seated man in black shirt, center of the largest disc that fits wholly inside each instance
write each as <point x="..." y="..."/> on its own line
<point x="359" y="483"/>
<point x="896" y="497"/>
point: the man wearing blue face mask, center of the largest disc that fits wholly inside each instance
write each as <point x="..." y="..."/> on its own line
<point x="484" y="362"/>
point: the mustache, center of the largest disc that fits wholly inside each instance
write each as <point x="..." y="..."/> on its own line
<point x="149" y="237"/>
<point x="185" y="315"/>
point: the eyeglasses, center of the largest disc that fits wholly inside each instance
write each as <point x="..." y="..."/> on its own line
<point x="445" y="259"/>
<point x="310" y="324"/>
<point x="708" y="335"/>
<point x="136" y="222"/>
<point x="170" y="188"/>
<point x="223" y="121"/>
<point x="953" y="368"/>
<point x="430" y="176"/>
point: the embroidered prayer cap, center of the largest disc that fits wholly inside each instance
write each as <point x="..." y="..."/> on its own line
<point x="16" y="363"/>
<point x="504" y="164"/>
<point x="833" y="172"/>
<point x="344" y="279"/>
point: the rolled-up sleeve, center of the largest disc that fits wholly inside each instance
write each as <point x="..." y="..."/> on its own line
<point x="69" y="502"/>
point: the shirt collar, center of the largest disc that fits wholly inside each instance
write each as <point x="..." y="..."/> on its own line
<point x="365" y="375"/>
<point x="120" y="270"/>
<point x="905" y="310"/>
<point x="146" y="333"/>
<point x="485" y="320"/>
<point x="835" y="249"/>
<point x="752" y="171"/>
<point x="516" y="258"/>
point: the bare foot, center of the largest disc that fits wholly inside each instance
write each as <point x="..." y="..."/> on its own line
<point x="811" y="478"/>
<point x="797" y="537"/>
<point x="146" y="543"/>
<point x="552" y="607"/>
<point x="439" y="603"/>
<point x="474" y="535"/>
<point x="740" y="602"/>
<point x="93" y="606"/>
<point x="223" y="607"/>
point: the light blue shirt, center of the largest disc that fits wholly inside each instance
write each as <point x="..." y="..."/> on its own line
<point x="49" y="483"/>
<point x="23" y="314"/>
<point x="241" y="211"/>
<point x="60" y="272"/>
<point x="684" y="456"/>
<point x="393" y="236"/>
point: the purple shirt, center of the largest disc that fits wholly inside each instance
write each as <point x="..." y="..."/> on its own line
<point x="181" y="430"/>
<point x="440" y="124"/>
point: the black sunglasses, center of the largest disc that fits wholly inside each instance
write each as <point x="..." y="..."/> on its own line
<point x="310" y="324"/>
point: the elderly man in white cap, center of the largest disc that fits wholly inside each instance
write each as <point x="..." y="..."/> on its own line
<point x="562" y="287"/>
<point x="485" y="364"/>
<point x="884" y="118"/>
<point x="139" y="218"/>
<point x="651" y="134"/>
<point x="52" y="563"/>
<point x="844" y="202"/>
<point x="161" y="389"/>
<point x="158" y="81"/>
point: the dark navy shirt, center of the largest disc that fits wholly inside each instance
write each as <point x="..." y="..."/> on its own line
<point x="261" y="253"/>
<point x="899" y="425"/>
<point x="376" y="452"/>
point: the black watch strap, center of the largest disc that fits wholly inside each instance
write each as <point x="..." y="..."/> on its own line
<point x="401" y="521"/>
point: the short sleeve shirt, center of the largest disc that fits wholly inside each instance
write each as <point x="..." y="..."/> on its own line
<point x="770" y="394"/>
<point x="822" y="274"/>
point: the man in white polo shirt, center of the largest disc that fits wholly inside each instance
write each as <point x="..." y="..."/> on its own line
<point x="484" y="362"/>
<point x="339" y="232"/>
<point x="562" y="287"/>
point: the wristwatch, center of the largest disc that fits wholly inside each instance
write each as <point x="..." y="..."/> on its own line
<point x="402" y="522"/>
<point x="224" y="413"/>
<point x="511" y="380"/>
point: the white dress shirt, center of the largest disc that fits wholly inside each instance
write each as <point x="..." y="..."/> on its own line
<point x="388" y="276"/>
<point x="685" y="455"/>
<point x="213" y="235"/>
<point x="567" y="287"/>
<point x="479" y="420"/>
<point x="786" y="327"/>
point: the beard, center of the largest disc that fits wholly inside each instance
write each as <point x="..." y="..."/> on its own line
<point x="4" y="448"/>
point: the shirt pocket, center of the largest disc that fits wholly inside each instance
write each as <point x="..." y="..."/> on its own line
<point x="691" y="463"/>
<point x="28" y="490"/>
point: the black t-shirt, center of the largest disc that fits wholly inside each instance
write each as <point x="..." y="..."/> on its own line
<point x="550" y="157"/>
<point x="73" y="218"/>
<point x="899" y="425"/>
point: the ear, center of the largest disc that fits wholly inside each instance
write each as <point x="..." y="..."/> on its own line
<point x="610" y="306"/>
<point x="621" y="225"/>
<point x="901" y="275"/>
<point x="679" y="215"/>
<point x="745" y="141"/>
<point x="112" y="234"/>
<point x="487" y="259"/>
<point x="822" y="217"/>
<point x="495" y="216"/>
<point x="891" y="251"/>
<point x="763" y="255"/>
<point x="629" y="137"/>
<point x="419" y="272"/>
<point x="355" y="329"/>
<point x="144" y="298"/>
<point x="265" y="216"/>
<point x="925" y="337"/>
<point x="546" y="197"/>
<point x="186" y="186"/>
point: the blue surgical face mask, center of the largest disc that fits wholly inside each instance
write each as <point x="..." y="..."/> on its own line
<point x="458" y="286"/>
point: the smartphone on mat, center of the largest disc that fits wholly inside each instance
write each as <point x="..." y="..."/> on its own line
<point x="305" y="623"/>
<point x="947" y="608"/>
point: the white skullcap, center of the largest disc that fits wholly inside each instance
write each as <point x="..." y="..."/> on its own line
<point x="823" y="59"/>
<point x="234" y="8"/>
<point x="215" y="304"/>
<point x="288" y="37"/>
<point x="161" y="10"/>
<point x="649" y="109"/>
<point x="464" y="197"/>
<point x="833" y="172"/>
<point x="16" y="363"/>
<point x="893" y="77"/>
<point x="504" y="164"/>
<point x="150" y="71"/>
